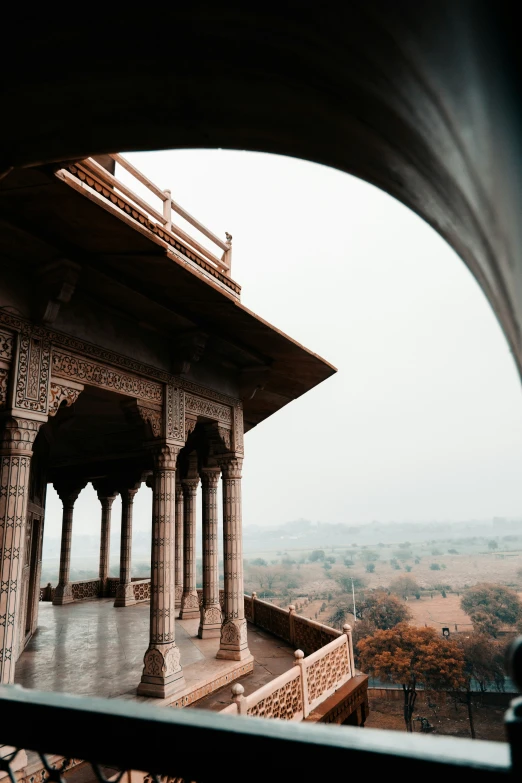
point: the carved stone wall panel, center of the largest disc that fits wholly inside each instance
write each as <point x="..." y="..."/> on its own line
<point x="32" y="372"/>
<point x="309" y="637"/>
<point x="86" y="371"/>
<point x="238" y="429"/>
<point x="201" y="406"/>
<point x="4" y="378"/>
<point x="175" y="413"/>
<point x="6" y="345"/>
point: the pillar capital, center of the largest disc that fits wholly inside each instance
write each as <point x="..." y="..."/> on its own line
<point x="231" y="466"/>
<point x="190" y="485"/>
<point x="210" y="477"/>
<point x="17" y="434"/>
<point x="166" y="454"/>
<point x="106" y="490"/>
<point x="69" y="489"/>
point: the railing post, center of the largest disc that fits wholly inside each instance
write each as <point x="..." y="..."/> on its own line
<point x="299" y="661"/>
<point x="238" y="698"/>
<point x="254" y="596"/>
<point x="227" y="255"/>
<point x="291" y="622"/>
<point x="347" y="629"/>
<point x="167" y="210"/>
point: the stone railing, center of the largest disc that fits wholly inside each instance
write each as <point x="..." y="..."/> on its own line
<point x="141" y="589"/>
<point x="307" y="635"/>
<point x="86" y="588"/>
<point x="296" y="693"/>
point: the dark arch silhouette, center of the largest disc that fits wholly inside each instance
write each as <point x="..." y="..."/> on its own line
<point x="418" y="98"/>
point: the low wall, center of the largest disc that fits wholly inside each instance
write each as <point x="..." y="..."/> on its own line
<point x="300" y="690"/>
<point x="307" y="635"/>
<point x="489" y="698"/>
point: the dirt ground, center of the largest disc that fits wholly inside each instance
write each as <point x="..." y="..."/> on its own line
<point x="444" y="718"/>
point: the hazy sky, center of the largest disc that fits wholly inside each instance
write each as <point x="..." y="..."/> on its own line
<point x="423" y="420"/>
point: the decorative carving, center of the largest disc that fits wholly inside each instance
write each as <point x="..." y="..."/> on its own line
<point x="172" y="660"/>
<point x="284" y="703"/>
<point x="238" y="428"/>
<point x="77" y="368"/>
<point x="211" y="616"/>
<point x="91" y="588"/>
<point x="4" y="376"/>
<point x="59" y="394"/>
<point x="141" y="590"/>
<point x="153" y="417"/>
<point x="153" y="663"/>
<point x="204" y="407"/>
<point x="231" y="467"/>
<point x="32" y="372"/>
<point x="175" y="410"/>
<point x="190" y="601"/>
<point x="327" y="672"/>
<point x="190" y="426"/>
<point x="234" y="632"/>
<point x="6" y="345"/>
<point x="18" y="434"/>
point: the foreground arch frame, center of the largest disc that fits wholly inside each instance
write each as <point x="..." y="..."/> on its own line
<point x="419" y="99"/>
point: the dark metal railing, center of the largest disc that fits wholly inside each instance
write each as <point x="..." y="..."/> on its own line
<point x="200" y="746"/>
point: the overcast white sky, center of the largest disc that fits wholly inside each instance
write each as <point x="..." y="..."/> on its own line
<point x="424" y="419"/>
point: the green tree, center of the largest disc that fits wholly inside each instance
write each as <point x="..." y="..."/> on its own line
<point x="317" y="554"/>
<point x="383" y="611"/>
<point x="490" y="606"/>
<point x="412" y="657"/>
<point x="435" y="567"/>
<point x="404" y="586"/>
<point x="492" y="545"/>
<point x="370" y="567"/>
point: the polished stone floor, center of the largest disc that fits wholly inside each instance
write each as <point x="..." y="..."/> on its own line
<point x="90" y="648"/>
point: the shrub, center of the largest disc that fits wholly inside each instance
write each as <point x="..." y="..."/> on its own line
<point x="435" y="567"/>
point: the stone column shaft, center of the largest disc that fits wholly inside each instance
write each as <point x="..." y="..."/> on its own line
<point x="189" y="599"/>
<point x="178" y="556"/>
<point x="16" y="440"/>
<point x="68" y="493"/>
<point x="162" y="672"/>
<point x="233" y="644"/>
<point x="125" y="590"/>
<point x="105" y="540"/>
<point x="211" y="619"/>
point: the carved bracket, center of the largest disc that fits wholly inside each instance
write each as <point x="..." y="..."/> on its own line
<point x="64" y="396"/>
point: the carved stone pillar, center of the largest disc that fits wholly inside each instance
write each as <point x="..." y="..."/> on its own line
<point x="178" y="552"/>
<point x="125" y="590"/>
<point x="16" y="441"/>
<point x="210" y="623"/>
<point x="233" y="644"/>
<point x="68" y="492"/>
<point x="106" y="495"/>
<point x="162" y="672"/>
<point x="189" y="599"/>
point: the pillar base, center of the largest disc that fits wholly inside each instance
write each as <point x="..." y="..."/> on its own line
<point x="125" y="595"/>
<point x="189" y="606"/>
<point x="63" y="595"/>
<point x="211" y="621"/>
<point x="234" y="644"/>
<point x="162" y="673"/>
<point x="233" y="655"/>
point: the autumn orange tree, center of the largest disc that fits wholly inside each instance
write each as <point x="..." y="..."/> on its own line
<point x="483" y="663"/>
<point x="412" y="657"/>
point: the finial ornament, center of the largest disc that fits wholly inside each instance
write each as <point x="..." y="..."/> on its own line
<point x="228" y="236"/>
